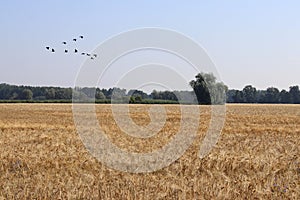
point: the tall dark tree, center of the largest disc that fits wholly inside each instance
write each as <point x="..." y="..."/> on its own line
<point x="272" y="95"/>
<point x="201" y="90"/>
<point x="208" y="90"/>
<point x="295" y="94"/>
<point x="249" y="94"/>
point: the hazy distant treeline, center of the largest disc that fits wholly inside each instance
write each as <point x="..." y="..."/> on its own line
<point x="206" y="90"/>
<point x="271" y="95"/>
<point x="13" y="93"/>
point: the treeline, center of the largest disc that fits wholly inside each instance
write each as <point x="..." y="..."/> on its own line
<point x="206" y="90"/>
<point x="250" y="94"/>
<point x="13" y="93"/>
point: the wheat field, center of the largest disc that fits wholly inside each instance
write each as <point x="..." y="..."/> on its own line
<point x="256" y="157"/>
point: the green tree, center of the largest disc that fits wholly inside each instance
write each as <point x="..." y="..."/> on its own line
<point x="272" y="95"/>
<point x="14" y="96"/>
<point x="117" y="93"/>
<point x="208" y="90"/>
<point x="249" y="94"/>
<point x="131" y="99"/>
<point x="135" y="99"/>
<point x="201" y="90"/>
<point x="295" y="94"/>
<point x="239" y="97"/>
<point x="218" y="93"/>
<point x="89" y="92"/>
<point x="140" y="93"/>
<point x="99" y="94"/>
<point x="284" y="97"/>
<point x="50" y="93"/>
<point x="234" y="96"/>
<point x="138" y="99"/>
<point x="186" y="97"/>
<point x="154" y="94"/>
<point x="27" y="94"/>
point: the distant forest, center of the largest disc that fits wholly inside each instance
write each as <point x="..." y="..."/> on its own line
<point x="206" y="91"/>
<point x="271" y="95"/>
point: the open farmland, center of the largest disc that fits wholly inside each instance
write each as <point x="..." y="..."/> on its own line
<point x="257" y="156"/>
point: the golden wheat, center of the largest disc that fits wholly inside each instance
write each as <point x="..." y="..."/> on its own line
<point x="257" y="156"/>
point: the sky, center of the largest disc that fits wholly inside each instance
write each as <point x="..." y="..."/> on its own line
<point x="251" y="42"/>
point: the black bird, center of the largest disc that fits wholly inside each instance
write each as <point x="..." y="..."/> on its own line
<point x="64" y="42"/>
<point x="95" y="55"/>
<point x="88" y="54"/>
<point x="82" y="53"/>
<point x="75" y="50"/>
<point x="66" y="50"/>
<point x="81" y="37"/>
<point x="47" y="48"/>
<point x="53" y="50"/>
<point x="74" y="39"/>
<point x="92" y="58"/>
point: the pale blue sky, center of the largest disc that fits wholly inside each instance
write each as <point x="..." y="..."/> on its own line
<point x="251" y="42"/>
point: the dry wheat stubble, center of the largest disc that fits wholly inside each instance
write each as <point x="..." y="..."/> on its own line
<point x="257" y="156"/>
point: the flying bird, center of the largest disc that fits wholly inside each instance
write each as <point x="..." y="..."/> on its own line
<point x="75" y="39"/>
<point x="92" y="58"/>
<point x="95" y="55"/>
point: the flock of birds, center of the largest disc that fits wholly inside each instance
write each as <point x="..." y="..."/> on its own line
<point x="92" y="56"/>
